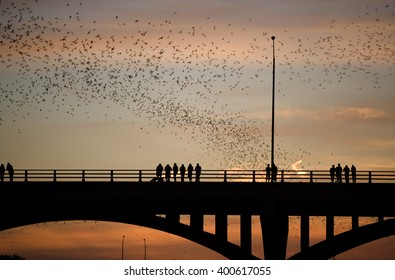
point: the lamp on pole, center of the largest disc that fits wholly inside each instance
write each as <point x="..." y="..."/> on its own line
<point x="273" y="93"/>
<point x="123" y="241"/>
<point x="145" y="249"/>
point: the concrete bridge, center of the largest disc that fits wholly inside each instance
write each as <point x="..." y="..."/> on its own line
<point x="129" y="196"/>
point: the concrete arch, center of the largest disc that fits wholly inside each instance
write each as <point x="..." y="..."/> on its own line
<point x="347" y="240"/>
<point x="208" y="240"/>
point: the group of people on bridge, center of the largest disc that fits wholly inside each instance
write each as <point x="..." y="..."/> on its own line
<point x="3" y="170"/>
<point x="338" y="171"/>
<point x="182" y="169"/>
<point x="271" y="173"/>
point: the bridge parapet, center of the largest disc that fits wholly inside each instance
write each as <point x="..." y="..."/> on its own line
<point x="229" y="175"/>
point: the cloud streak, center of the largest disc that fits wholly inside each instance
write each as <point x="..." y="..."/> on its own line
<point x="347" y="114"/>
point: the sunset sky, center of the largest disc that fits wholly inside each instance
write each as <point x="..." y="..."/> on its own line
<point x="130" y="84"/>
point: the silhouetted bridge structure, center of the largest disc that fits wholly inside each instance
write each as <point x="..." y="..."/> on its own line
<point x="129" y="196"/>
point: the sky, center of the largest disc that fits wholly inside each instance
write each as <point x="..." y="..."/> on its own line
<point x="130" y="84"/>
<point x="88" y="84"/>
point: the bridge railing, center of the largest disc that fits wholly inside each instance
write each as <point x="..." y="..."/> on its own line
<point x="74" y="175"/>
<point x="146" y="175"/>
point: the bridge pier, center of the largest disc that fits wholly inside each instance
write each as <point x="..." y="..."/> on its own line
<point x="173" y="218"/>
<point x="246" y="233"/>
<point x="221" y="226"/>
<point x="197" y="221"/>
<point x="355" y="222"/>
<point x="275" y="236"/>
<point x="330" y="227"/>
<point x="304" y="232"/>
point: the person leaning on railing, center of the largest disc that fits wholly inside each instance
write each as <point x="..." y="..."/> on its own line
<point x="2" y="172"/>
<point x="10" y="170"/>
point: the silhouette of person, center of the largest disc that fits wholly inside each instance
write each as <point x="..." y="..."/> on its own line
<point x="175" y="171"/>
<point x="346" y="173"/>
<point x="182" y="172"/>
<point x="190" y="170"/>
<point x="268" y="170"/>
<point x="274" y="173"/>
<point x="354" y="173"/>
<point x="10" y="170"/>
<point x="2" y="172"/>
<point x="159" y="170"/>
<point x="198" y="170"/>
<point x="167" y="172"/>
<point x="339" y="173"/>
<point x="332" y="172"/>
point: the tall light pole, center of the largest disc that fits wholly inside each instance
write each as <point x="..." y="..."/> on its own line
<point x="273" y="93"/>
<point x="123" y="241"/>
<point x="145" y="250"/>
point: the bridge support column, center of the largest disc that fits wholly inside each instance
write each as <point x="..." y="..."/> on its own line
<point x="355" y="222"/>
<point x="173" y="218"/>
<point x="221" y="226"/>
<point x="275" y="236"/>
<point x="197" y="220"/>
<point x="330" y="227"/>
<point x="304" y="232"/>
<point x="245" y="233"/>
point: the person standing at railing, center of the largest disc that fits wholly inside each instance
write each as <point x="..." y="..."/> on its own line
<point x="198" y="170"/>
<point x="268" y="171"/>
<point x="274" y="173"/>
<point x="175" y="171"/>
<point x="339" y="170"/>
<point x="159" y="170"/>
<point x="167" y="172"/>
<point x="190" y="170"/>
<point x="2" y="172"/>
<point x="354" y="174"/>
<point x="332" y="172"/>
<point x="10" y="170"/>
<point x="182" y="172"/>
<point x="346" y="174"/>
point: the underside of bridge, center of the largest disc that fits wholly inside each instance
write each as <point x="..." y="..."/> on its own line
<point x="274" y="233"/>
<point x="348" y="240"/>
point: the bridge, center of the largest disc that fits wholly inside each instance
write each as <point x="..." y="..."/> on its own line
<point x="130" y="196"/>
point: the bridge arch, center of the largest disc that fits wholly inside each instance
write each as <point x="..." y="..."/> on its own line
<point x="206" y="239"/>
<point x="348" y="240"/>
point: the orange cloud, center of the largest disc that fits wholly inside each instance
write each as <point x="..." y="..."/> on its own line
<point x="338" y="114"/>
<point x="359" y="113"/>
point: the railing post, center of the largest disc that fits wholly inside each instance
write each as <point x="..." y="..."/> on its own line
<point x="253" y="176"/>
<point x="83" y="175"/>
<point x="370" y="177"/>
<point x="54" y="175"/>
<point x="311" y="176"/>
<point x="282" y="176"/>
<point x="225" y="175"/>
<point x="140" y="176"/>
<point x="26" y="176"/>
<point x="112" y="176"/>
